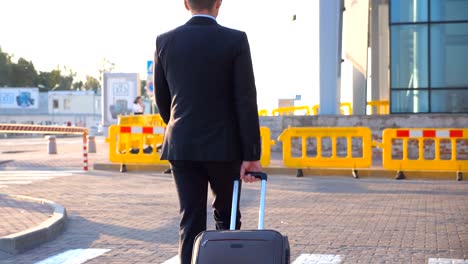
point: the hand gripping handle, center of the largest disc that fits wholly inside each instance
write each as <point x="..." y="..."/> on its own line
<point x="261" y="212"/>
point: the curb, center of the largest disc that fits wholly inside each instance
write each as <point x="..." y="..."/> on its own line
<point x="33" y="237"/>
<point x="308" y="172"/>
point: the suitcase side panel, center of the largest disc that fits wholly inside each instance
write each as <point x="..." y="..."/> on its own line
<point x="255" y="246"/>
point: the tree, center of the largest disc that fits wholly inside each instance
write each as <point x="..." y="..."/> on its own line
<point x="92" y="84"/>
<point x="50" y="80"/>
<point x="23" y="74"/>
<point x="78" y="85"/>
<point x="5" y="68"/>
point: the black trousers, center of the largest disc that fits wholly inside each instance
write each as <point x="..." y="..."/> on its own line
<point x="191" y="180"/>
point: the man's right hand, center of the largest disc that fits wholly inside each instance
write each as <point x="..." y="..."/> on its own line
<point x="250" y="166"/>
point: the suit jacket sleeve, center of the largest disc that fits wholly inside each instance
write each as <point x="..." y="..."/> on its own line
<point x="161" y="88"/>
<point x="245" y="96"/>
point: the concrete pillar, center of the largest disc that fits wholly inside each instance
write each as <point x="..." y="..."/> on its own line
<point x="91" y="144"/>
<point x="379" y="27"/>
<point x="359" y="92"/>
<point x="51" y="146"/>
<point x="331" y="17"/>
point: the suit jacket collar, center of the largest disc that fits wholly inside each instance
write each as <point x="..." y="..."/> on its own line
<point x="199" y="20"/>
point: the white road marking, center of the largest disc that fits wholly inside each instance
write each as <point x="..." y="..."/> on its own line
<point x="28" y="177"/>
<point x="173" y="260"/>
<point x="16" y="182"/>
<point x="74" y="256"/>
<point x="318" y="259"/>
<point x="41" y="172"/>
<point x="447" y="261"/>
<point x="25" y="177"/>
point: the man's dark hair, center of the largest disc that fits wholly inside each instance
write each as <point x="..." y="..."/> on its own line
<point x="201" y="4"/>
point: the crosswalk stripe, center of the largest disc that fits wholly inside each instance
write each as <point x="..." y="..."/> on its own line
<point x="27" y="177"/>
<point x="74" y="256"/>
<point x="16" y="182"/>
<point x="318" y="259"/>
<point x="68" y="172"/>
<point x="447" y="261"/>
<point x="173" y="260"/>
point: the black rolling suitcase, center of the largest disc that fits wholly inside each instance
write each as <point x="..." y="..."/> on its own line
<point x="242" y="246"/>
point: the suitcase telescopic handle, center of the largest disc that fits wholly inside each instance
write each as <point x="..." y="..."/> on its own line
<point x="235" y="194"/>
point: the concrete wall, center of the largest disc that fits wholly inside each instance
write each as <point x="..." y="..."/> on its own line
<point x="377" y="123"/>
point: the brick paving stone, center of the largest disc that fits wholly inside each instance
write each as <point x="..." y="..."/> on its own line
<point x="18" y="215"/>
<point x="135" y="215"/>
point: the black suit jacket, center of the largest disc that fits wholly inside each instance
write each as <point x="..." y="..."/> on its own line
<point x="205" y="92"/>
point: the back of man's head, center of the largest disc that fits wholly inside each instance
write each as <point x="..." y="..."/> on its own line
<point x="199" y="5"/>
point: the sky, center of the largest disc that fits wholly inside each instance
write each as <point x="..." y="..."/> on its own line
<point x="80" y="34"/>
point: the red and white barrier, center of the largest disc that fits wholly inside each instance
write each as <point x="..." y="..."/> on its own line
<point x="141" y="130"/>
<point x="430" y="133"/>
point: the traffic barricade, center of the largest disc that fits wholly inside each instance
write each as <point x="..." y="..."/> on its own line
<point x="327" y="147"/>
<point x="290" y="110"/>
<point x="425" y="149"/>
<point x="263" y="112"/>
<point x="267" y="142"/>
<point x="142" y="120"/>
<point x="135" y="144"/>
<point x="55" y="130"/>
<point x="345" y="109"/>
<point x="378" y="107"/>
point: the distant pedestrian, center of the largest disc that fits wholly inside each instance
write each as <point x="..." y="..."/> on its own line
<point x="138" y="106"/>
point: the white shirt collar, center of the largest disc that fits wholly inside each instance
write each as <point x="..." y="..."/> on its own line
<point x="203" y="15"/>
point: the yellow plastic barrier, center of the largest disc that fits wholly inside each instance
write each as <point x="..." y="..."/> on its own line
<point x="135" y="144"/>
<point x="267" y="142"/>
<point x="338" y="158"/>
<point x="142" y="120"/>
<point x="345" y="109"/>
<point x="399" y="147"/>
<point x="263" y="112"/>
<point x="290" y="110"/>
<point x="378" y="107"/>
<point x="139" y="144"/>
<point x="315" y="109"/>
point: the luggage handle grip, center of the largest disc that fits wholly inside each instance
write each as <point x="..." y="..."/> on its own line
<point x="261" y="212"/>
<point x="258" y="175"/>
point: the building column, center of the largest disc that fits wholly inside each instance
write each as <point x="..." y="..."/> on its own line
<point x="359" y="92"/>
<point x="380" y="64"/>
<point x="331" y="17"/>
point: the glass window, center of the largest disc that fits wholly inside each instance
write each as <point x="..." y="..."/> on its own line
<point x="408" y="11"/>
<point x="449" y="101"/>
<point x="55" y="104"/>
<point x="409" y="52"/>
<point x="449" y="10"/>
<point x="66" y="104"/>
<point x="409" y="101"/>
<point x="449" y="55"/>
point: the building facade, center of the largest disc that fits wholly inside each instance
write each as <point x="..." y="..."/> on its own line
<point x="78" y="108"/>
<point x="428" y="56"/>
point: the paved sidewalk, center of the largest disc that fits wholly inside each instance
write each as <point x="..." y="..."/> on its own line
<point x="133" y="217"/>
<point x="19" y="215"/>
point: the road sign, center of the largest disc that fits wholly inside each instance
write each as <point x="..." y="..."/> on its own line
<point x="149" y="67"/>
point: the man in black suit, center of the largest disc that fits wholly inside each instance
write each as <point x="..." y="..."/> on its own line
<point x="205" y="92"/>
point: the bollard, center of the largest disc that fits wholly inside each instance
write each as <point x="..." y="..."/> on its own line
<point x="91" y="144"/>
<point x="52" y="146"/>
